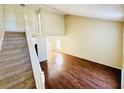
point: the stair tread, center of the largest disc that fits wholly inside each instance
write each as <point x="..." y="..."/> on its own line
<point x="14" y="34"/>
<point x="25" y="84"/>
<point x="13" y="64"/>
<point x="9" y="82"/>
<point x="22" y="54"/>
<point x="13" y="73"/>
<point x="14" y="58"/>
<point x="14" y="39"/>
<point x="11" y="47"/>
<point x="11" y="69"/>
<point x="7" y="53"/>
<point x="14" y="42"/>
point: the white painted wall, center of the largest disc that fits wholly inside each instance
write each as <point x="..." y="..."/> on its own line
<point x="42" y="48"/>
<point x="52" y="23"/>
<point x="14" y="17"/>
<point x="1" y="18"/>
<point x="96" y="40"/>
<point x="33" y="20"/>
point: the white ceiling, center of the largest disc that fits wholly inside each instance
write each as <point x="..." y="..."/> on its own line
<point x="101" y="11"/>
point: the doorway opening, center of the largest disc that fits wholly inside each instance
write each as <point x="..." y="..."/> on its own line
<point x="53" y="45"/>
<point x="58" y="44"/>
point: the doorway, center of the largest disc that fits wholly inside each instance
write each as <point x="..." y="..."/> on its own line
<point x="58" y="45"/>
<point x="53" y="45"/>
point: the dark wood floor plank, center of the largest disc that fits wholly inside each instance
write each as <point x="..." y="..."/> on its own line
<point x="64" y="71"/>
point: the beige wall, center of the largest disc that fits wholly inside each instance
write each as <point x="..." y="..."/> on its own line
<point x="52" y="23"/>
<point x="93" y="39"/>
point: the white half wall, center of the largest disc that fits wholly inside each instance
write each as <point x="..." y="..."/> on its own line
<point x="41" y="44"/>
<point x="42" y="51"/>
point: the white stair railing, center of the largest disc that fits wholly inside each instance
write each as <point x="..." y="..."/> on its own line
<point x="122" y="78"/>
<point x="1" y="26"/>
<point x="38" y="73"/>
<point x="1" y="38"/>
<point x="122" y="70"/>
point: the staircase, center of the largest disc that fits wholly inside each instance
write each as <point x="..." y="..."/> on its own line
<point x="15" y="64"/>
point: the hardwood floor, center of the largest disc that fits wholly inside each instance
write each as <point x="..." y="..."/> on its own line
<point x="64" y="71"/>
